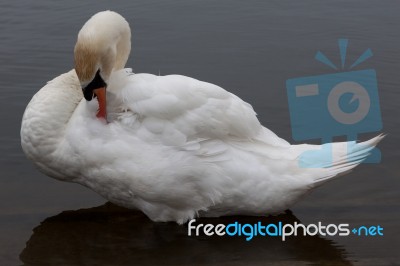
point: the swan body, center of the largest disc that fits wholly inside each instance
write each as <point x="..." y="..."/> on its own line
<point x="172" y="146"/>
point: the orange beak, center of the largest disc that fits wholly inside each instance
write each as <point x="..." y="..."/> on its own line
<point x="101" y="97"/>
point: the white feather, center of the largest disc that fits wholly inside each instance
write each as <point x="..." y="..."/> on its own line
<point x="174" y="147"/>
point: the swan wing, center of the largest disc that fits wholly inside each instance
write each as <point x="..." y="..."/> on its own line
<point x="179" y="110"/>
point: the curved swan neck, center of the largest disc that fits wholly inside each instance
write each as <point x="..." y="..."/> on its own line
<point x="104" y="44"/>
<point x="45" y="119"/>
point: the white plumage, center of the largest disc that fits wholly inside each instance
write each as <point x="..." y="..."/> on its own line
<point x="174" y="147"/>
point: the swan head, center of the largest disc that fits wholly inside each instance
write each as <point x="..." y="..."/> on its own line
<point x="103" y="46"/>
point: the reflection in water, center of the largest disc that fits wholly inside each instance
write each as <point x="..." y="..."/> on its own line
<point x="110" y="235"/>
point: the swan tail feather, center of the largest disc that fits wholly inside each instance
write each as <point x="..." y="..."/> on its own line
<point x="336" y="159"/>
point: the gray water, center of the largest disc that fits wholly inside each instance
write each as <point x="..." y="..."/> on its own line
<point x="249" y="48"/>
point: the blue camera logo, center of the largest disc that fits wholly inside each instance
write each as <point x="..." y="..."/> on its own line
<point x="344" y="103"/>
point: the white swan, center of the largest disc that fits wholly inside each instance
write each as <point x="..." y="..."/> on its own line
<point x="173" y="147"/>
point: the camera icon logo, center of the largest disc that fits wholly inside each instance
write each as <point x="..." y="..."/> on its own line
<point x="358" y="92"/>
<point x="337" y="104"/>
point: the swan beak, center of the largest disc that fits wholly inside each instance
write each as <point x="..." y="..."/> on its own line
<point x="101" y="97"/>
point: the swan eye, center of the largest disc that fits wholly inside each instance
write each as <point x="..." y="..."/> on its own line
<point x="96" y="83"/>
